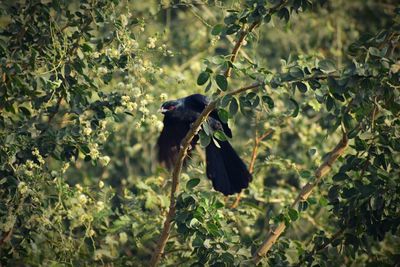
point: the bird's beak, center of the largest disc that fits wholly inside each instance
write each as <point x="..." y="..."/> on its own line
<point x="162" y="110"/>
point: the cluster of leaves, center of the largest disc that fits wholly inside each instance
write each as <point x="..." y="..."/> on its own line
<point x="363" y="99"/>
<point x="364" y="193"/>
<point x="57" y="60"/>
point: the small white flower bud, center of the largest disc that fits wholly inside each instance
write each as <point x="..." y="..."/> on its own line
<point x="82" y="199"/>
<point x="123" y="238"/>
<point x="104" y="160"/>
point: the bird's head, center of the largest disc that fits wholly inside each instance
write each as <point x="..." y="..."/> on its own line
<point x="169" y="106"/>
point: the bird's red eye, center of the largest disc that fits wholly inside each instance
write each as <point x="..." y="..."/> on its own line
<point x="171" y="107"/>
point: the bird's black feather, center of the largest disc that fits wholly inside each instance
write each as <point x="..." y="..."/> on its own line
<point x="226" y="170"/>
<point x="170" y="139"/>
<point x="198" y="102"/>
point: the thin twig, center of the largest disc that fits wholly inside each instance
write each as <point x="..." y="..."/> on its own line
<point x="327" y="243"/>
<point x="238" y="45"/>
<point x="257" y="141"/>
<point x="305" y="192"/>
<point x="245" y="88"/>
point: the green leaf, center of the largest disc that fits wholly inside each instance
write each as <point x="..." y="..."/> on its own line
<point x="232" y="29"/>
<point x="203" y="78"/>
<point x="301" y="87"/>
<point x="305" y="174"/>
<point x="375" y="52"/>
<point x="216" y="143"/>
<point x="323" y="201"/>
<point x="204" y="139"/>
<point x="303" y="205"/>
<point x="207" y="128"/>
<point x="198" y="242"/>
<point x="231" y="18"/>
<point x="222" y="82"/>
<point x="213" y="229"/>
<point x="330" y="102"/>
<point x="25" y="111"/>
<point x="333" y="193"/>
<point x="217" y="29"/>
<point x="220" y="135"/>
<point x="296" y="108"/>
<point x="233" y="107"/>
<point x="341" y="176"/>
<point x="223" y="115"/>
<point x="360" y="145"/>
<point x="251" y="95"/>
<point x="349" y="192"/>
<point x="107" y="77"/>
<point x="284" y="14"/>
<point x="256" y="102"/>
<point x="314" y="84"/>
<point x="80" y="53"/>
<point x="326" y="66"/>
<point x="348" y="121"/>
<point x="192" y="183"/>
<point x="267" y="18"/>
<point x="296" y="72"/>
<point x="86" y="48"/>
<point x="269" y="101"/>
<point x="354" y="132"/>
<point x="293" y="214"/>
<point x="225" y="100"/>
<point x="43" y="126"/>
<point x="208" y="87"/>
<point x="312" y="200"/>
<point x="218" y="204"/>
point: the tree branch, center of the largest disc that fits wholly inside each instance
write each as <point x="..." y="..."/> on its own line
<point x="305" y="192"/>
<point x="6" y="237"/>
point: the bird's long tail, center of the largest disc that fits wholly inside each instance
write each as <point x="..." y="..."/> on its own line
<point x="226" y="169"/>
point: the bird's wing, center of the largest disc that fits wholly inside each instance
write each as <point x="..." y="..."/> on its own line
<point x="170" y="139"/>
<point x="198" y="102"/>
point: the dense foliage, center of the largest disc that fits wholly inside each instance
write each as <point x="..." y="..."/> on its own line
<point x="80" y="85"/>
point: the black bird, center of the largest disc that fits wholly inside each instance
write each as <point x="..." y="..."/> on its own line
<point x="226" y="170"/>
